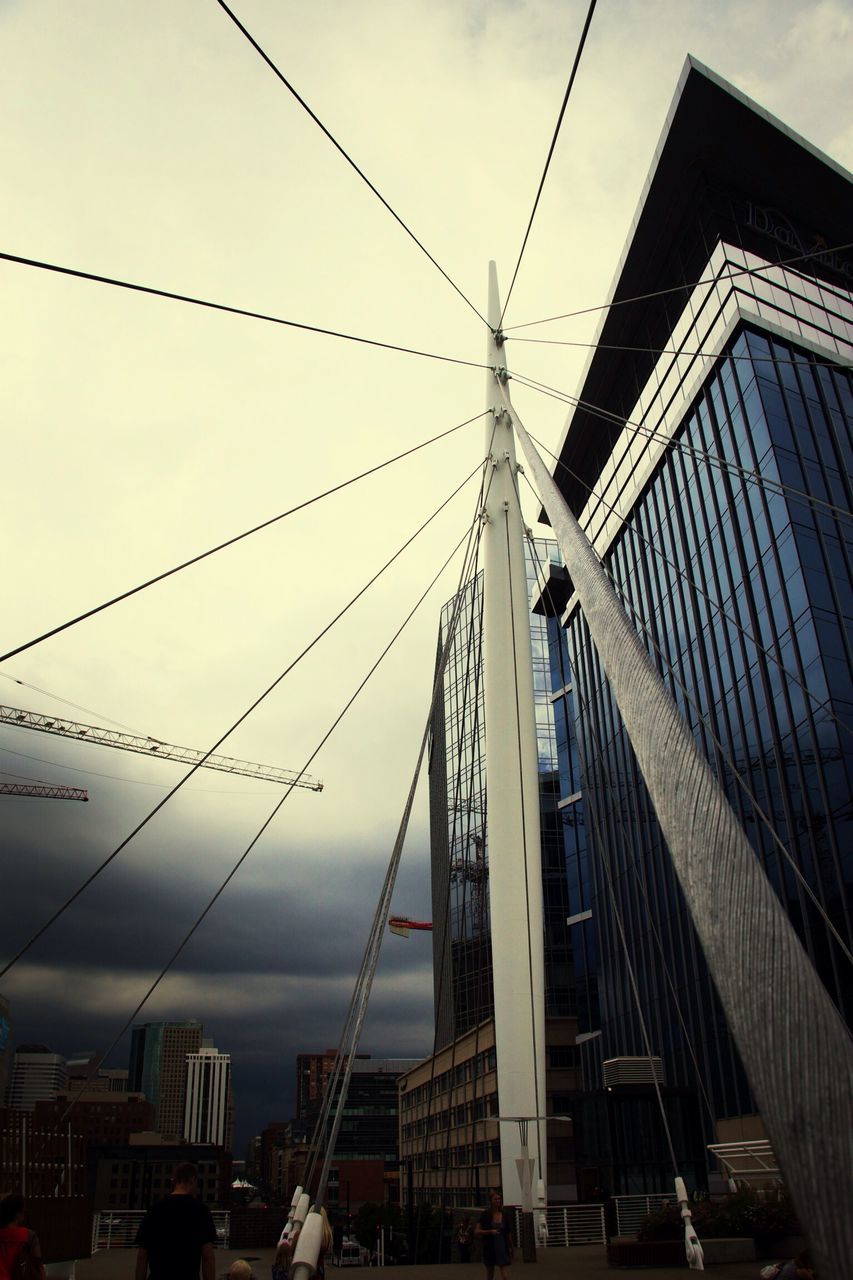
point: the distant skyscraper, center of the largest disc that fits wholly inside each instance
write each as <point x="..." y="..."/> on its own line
<point x="312" y="1073"/>
<point x="158" y="1068"/>
<point x="208" y="1109"/>
<point x="369" y="1128"/>
<point x="37" y="1075"/>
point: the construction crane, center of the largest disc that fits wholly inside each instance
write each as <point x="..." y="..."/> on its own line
<point x="43" y="791"/>
<point x="476" y="874"/>
<point x="153" y="747"/>
<point x="402" y="924"/>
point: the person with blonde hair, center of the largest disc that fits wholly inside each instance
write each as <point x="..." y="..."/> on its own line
<point x="283" y="1254"/>
<point x="240" y="1270"/>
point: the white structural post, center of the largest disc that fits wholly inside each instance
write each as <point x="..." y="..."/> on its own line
<point x="513" y="833"/>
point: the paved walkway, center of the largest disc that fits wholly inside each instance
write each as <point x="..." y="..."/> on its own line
<point x="584" y="1262"/>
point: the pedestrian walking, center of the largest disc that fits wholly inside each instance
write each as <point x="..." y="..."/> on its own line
<point x="494" y="1230"/>
<point x="177" y="1235"/>
<point x="464" y="1236"/>
<point x="20" y="1251"/>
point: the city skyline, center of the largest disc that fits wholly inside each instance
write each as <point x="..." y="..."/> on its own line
<point x="143" y="432"/>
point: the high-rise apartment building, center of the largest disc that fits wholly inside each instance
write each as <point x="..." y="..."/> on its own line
<point x="709" y="462"/>
<point x="158" y="1068"/>
<point x="312" y="1074"/>
<point x="369" y="1128"/>
<point x="462" y="942"/>
<point x="37" y="1075"/>
<point x="208" y="1110"/>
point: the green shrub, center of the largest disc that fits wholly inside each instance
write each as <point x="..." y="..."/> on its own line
<point x="744" y="1213"/>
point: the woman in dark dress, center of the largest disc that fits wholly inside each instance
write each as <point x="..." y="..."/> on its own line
<point x="494" y="1230"/>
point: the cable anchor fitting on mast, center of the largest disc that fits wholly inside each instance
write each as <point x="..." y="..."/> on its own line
<point x="498" y="337"/>
<point x="500" y="372"/>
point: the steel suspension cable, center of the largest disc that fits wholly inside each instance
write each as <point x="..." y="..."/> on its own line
<point x="695" y="586"/>
<point x="350" y="1032"/>
<point x="556" y="134"/>
<point x="840" y="363"/>
<point x="178" y="785"/>
<point x="265" y="524"/>
<point x="384" y="904"/>
<point x="319" y="123"/>
<point x="347" y="1032"/>
<point x="652" y="434"/>
<point x="199" y="919"/>
<point x="814" y="255"/>
<point x="117" y="283"/>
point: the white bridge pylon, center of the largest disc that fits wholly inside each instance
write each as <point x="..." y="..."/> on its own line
<point x="513" y="835"/>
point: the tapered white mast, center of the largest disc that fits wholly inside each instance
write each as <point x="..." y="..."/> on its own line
<point x="513" y="830"/>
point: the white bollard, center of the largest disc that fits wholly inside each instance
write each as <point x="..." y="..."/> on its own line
<point x="308" y="1246"/>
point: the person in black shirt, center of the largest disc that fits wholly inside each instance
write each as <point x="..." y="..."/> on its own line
<point x="177" y="1234"/>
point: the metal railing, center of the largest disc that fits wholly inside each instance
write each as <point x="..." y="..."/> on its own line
<point x="117" y="1230"/>
<point x="631" y="1210"/>
<point x="569" y="1224"/>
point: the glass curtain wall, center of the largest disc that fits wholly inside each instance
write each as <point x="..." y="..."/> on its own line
<point x="459" y="832"/>
<point x="764" y="680"/>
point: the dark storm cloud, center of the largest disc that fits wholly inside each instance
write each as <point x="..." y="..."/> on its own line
<point x="269" y="973"/>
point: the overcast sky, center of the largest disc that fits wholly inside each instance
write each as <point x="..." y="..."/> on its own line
<point x="147" y="140"/>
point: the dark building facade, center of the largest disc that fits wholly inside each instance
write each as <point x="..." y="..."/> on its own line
<point x="99" y="1120"/>
<point x="137" y="1175"/>
<point x="158" y="1069"/>
<point x="368" y="1134"/>
<point x="709" y="461"/>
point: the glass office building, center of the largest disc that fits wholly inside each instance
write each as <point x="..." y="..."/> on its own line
<point x="459" y="830"/>
<point x="709" y="461"/>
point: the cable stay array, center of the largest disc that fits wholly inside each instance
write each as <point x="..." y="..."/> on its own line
<point x="241" y="719"/>
<point x="153" y="292"/>
<point x="466" y="538"/>
<point x="692" y="810"/>
<point x="672" y="442"/>
<point x="548" y="158"/>
<point x="813" y="255"/>
<point x="341" y="151"/>
<point x="230" y="542"/>
<point x="338" y="1082"/>
<point x="707" y="353"/>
